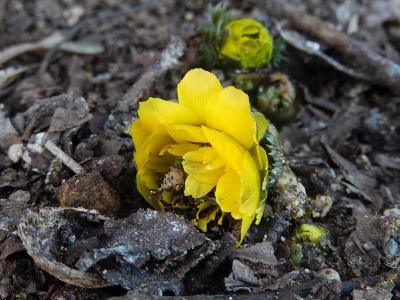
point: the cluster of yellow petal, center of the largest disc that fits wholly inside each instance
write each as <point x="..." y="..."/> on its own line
<point x="248" y="42"/>
<point x="215" y="135"/>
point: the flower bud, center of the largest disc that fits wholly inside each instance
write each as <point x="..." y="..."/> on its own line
<point x="309" y="245"/>
<point x="247" y="80"/>
<point x="248" y="43"/>
<point x="311" y="233"/>
<point x="277" y="101"/>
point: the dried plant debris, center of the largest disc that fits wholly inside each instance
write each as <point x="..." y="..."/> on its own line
<point x="55" y="39"/>
<point x="8" y="134"/>
<point x="346" y="121"/>
<point x="59" y="113"/>
<point x="381" y="130"/>
<point x="363" y="184"/>
<point x="204" y="277"/>
<point x="377" y="68"/>
<point x="251" y="266"/>
<point x="11" y="209"/>
<point x="369" y="244"/>
<point x="261" y="253"/>
<point x="278" y="226"/>
<point x="293" y="284"/>
<point x="382" y="292"/>
<point x="74" y="114"/>
<point x="313" y="48"/>
<point x="149" y="251"/>
<point x="242" y="278"/>
<point x="30" y="277"/>
<point x="47" y="235"/>
<point x="8" y="75"/>
<point x="320" y="205"/>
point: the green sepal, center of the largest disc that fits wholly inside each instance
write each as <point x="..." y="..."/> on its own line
<point x="270" y="142"/>
<point x="278" y="55"/>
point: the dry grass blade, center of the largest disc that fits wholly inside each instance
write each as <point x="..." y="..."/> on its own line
<point x="14" y="51"/>
<point x="61" y="155"/>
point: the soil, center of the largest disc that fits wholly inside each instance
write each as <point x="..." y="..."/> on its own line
<point x="343" y="146"/>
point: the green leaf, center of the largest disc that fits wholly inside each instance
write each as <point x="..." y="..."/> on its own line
<point x="278" y="55"/>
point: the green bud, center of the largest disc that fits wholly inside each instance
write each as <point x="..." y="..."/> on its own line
<point x="311" y="233"/>
<point x="277" y="101"/>
<point x="247" y="81"/>
<point x="248" y="43"/>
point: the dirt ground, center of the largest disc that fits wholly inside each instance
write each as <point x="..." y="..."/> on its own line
<point x="75" y="74"/>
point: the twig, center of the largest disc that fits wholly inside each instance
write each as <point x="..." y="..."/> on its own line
<point x="296" y="40"/>
<point x="62" y="156"/>
<point x="9" y="74"/>
<point x="379" y="69"/>
<point x="46" y="43"/>
<point x="168" y="59"/>
<point x="349" y="286"/>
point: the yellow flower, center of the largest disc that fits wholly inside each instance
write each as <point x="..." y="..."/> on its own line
<point x="248" y="43"/>
<point x="212" y="135"/>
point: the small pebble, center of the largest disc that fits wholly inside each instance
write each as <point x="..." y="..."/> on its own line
<point x="15" y="152"/>
<point x="390" y="248"/>
<point x="20" y="196"/>
<point x="329" y="274"/>
<point x="392" y="212"/>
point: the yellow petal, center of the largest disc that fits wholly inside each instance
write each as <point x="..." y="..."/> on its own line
<point x="241" y="161"/>
<point x="148" y="177"/>
<point x="195" y="164"/>
<point x="261" y="207"/>
<point x="203" y="155"/>
<point x="261" y="124"/>
<point x="246" y="223"/>
<point x="221" y="218"/>
<point x="199" y="172"/>
<point x="227" y="193"/>
<point x="197" y="89"/>
<point x="179" y="149"/>
<point x="226" y="147"/>
<point x="153" y="144"/>
<point x="260" y="156"/>
<point x="195" y="188"/>
<point x="186" y="133"/>
<point x="138" y="133"/>
<point x="264" y="171"/>
<point x="250" y="29"/>
<point x="202" y="221"/>
<point x="230" y="113"/>
<point x="167" y="196"/>
<point x="160" y="166"/>
<point x="216" y="163"/>
<point x="250" y="192"/>
<point x="230" y="49"/>
<point x="145" y="192"/>
<point x="155" y="110"/>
